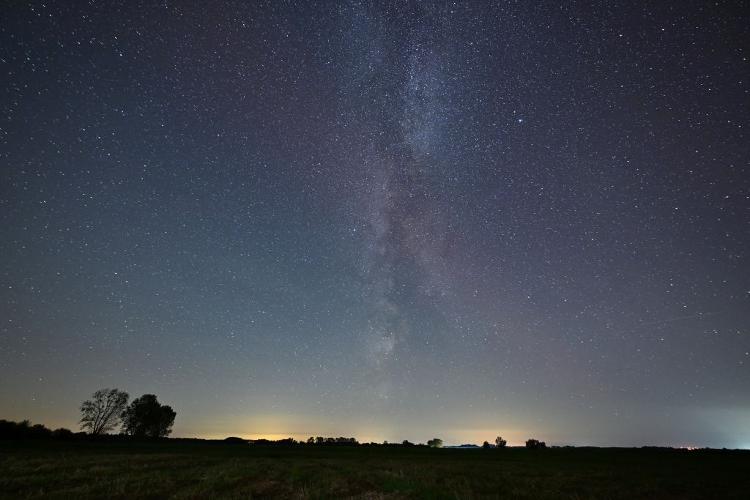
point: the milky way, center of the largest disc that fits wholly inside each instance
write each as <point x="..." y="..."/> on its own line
<point x="389" y="220"/>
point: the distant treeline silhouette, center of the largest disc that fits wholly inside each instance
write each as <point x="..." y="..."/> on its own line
<point x="145" y="417"/>
<point x="24" y="430"/>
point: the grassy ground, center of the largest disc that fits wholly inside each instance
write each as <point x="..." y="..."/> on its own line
<point x="206" y="470"/>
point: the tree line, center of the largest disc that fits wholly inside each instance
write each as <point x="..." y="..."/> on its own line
<point x="25" y="430"/>
<point x="145" y="417"/>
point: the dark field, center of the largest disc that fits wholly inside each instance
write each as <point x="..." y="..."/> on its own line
<point x="209" y="470"/>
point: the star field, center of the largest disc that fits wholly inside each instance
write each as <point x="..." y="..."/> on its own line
<point x="392" y="220"/>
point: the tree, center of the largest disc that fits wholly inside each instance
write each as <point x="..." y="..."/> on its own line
<point x="62" y="433"/>
<point x="500" y="442"/>
<point x="534" y="444"/>
<point x="486" y="445"/>
<point x="235" y="440"/>
<point x="145" y="417"/>
<point x="435" y="443"/>
<point x="346" y="440"/>
<point x="102" y="412"/>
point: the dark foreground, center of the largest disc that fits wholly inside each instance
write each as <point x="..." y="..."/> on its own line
<point x="211" y="470"/>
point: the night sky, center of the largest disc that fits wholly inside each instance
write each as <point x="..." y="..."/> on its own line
<point x="389" y="221"/>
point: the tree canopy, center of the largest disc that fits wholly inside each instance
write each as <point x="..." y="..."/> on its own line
<point x="102" y="412"/>
<point x="147" y="418"/>
<point x="535" y="444"/>
<point x="435" y="443"/>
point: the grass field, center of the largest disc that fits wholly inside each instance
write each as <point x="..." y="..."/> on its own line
<point x="55" y="469"/>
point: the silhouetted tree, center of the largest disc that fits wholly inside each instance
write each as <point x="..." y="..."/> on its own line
<point x="435" y="443"/>
<point x="346" y="440"/>
<point x="9" y="429"/>
<point x="146" y="417"/>
<point x="500" y="442"/>
<point x="406" y="442"/>
<point x="235" y="440"/>
<point x="486" y="445"/>
<point x="15" y="430"/>
<point x="102" y="412"/>
<point x="534" y="444"/>
<point x="62" y="433"/>
<point x="311" y="440"/>
<point x="39" y="431"/>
